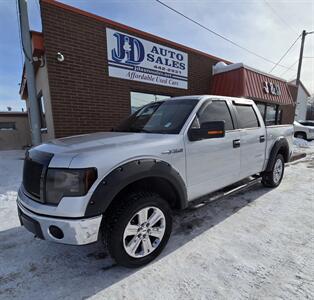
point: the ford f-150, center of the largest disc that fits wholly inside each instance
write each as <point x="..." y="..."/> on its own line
<point x="120" y="187"/>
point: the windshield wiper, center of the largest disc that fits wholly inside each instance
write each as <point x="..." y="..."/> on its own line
<point x="145" y="130"/>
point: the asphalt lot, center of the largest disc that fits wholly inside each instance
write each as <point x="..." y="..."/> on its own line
<point x="258" y="244"/>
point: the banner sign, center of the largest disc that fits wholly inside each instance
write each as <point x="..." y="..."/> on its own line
<point x="136" y="59"/>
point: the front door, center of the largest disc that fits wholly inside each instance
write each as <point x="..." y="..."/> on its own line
<point x="213" y="163"/>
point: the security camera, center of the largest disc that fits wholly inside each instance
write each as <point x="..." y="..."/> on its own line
<point x="60" y="57"/>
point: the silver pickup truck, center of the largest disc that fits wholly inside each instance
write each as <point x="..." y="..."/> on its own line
<point x="120" y="187"/>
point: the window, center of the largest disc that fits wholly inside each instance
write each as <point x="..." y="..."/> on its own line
<point x="140" y="99"/>
<point x="247" y="116"/>
<point x="307" y="123"/>
<point x="262" y="109"/>
<point x="42" y="112"/>
<point x="7" y="126"/>
<point x="279" y="115"/>
<point x="271" y="115"/>
<point x="215" y="111"/>
<point x="159" y="117"/>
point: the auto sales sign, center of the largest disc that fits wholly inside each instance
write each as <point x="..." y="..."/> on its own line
<point x="136" y="59"/>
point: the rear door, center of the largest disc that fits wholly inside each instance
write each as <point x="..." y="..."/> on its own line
<point x="252" y="139"/>
<point x="212" y="163"/>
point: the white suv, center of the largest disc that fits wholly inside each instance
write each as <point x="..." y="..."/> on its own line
<point x="304" y="130"/>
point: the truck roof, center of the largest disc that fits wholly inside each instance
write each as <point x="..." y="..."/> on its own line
<point x="213" y="97"/>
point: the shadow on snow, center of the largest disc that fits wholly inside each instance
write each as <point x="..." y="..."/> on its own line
<point x="32" y="268"/>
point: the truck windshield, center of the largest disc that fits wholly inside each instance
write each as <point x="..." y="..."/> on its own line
<point x="159" y="117"/>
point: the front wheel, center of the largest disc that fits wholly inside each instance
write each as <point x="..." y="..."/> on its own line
<point x="274" y="177"/>
<point x="138" y="229"/>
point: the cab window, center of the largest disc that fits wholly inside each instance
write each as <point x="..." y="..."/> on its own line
<point x="246" y="116"/>
<point x="215" y="111"/>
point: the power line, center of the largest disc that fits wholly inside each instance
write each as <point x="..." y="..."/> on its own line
<point x="289" y="69"/>
<point x="279" y="17"/>
<point x="282" y="57"/>
<point x="221" y="36"/>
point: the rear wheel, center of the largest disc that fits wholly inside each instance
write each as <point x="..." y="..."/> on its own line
<point x="138" y="229"/>
<point x="300" y="135"/>
<point x="274" y="177"/>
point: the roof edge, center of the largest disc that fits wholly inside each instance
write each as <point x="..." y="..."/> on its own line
<point x="132" y="29"/>
<point x="236" y="66"/>
<point x="292" y="82"/>
<point x="13" y="113"/>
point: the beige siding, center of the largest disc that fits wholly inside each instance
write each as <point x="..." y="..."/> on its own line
<point x="42" y="85"/>
<point x="18" y="138"/>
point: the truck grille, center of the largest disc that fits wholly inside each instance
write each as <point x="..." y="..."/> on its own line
<point x="34" y="173"/>
<point x="31" y="177"/>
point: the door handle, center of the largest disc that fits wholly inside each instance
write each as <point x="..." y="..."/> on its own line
<point x="262" y="139"/>
<point x="236" y="143"/>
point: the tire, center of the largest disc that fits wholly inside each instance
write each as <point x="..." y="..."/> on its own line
<point x="300" y="135"/>
<point x="131" y="242"/>
<point x="274" y="177"/>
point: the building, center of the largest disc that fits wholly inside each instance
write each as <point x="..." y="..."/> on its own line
<point x="14" y="130"/>
<point x="271" y="94"/>
<point x="310" y="109"/>
<point x="91" y="72"/>
<point x="301" y="96"/>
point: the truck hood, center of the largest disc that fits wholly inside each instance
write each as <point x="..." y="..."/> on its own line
<point x="103" y="140"/>
<point x="82" y="146"/>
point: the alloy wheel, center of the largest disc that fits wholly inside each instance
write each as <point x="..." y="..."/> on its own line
<point x="278" y="169"/>
<point x="144" y="232"/>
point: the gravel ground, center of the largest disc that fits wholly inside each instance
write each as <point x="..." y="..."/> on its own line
<point x="258" y="244"/>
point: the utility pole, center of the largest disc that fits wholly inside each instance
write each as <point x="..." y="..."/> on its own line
<point x="304" y="34"/>
<point x="300" y="58"/>
<point x="30" y="73"/>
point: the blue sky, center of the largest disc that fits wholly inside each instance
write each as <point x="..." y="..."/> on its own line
<point x="253" y="24"/>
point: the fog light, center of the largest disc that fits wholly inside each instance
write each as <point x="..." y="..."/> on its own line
<point x="56" y="232"/>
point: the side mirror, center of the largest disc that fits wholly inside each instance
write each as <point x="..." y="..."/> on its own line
<point x="208" y="130"/>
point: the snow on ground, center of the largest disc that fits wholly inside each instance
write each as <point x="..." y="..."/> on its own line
<point x="256" y="245"/>
<point x="11" y="164"/>
<point x="300" y="143"/>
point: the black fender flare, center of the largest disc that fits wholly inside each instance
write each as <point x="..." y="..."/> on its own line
<point x="129" y="173"/>
<point x="280" y="144"/>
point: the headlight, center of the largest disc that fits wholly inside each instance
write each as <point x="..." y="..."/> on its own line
<point x="68" y="182"/>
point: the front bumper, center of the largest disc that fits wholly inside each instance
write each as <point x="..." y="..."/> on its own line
<point x="74" y="231"/>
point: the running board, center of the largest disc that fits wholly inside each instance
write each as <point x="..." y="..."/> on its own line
<point x="228" y="191"/>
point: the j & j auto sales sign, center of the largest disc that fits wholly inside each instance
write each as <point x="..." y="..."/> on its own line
<point x="136" y="59"/>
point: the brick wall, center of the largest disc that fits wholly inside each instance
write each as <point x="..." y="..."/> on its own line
<point x="83" y="97"/>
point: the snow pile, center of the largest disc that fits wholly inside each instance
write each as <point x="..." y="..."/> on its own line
<point x="11" y="168"/>
<point x="300" y="143"/>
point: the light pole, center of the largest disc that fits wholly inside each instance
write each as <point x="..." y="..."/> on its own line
<point x="30" y="73"/>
